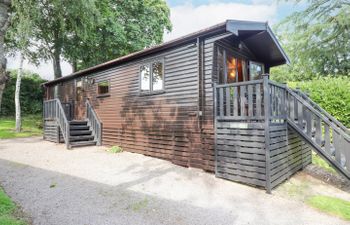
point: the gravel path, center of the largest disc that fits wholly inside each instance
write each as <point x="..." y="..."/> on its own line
<point x="88" y="186"/>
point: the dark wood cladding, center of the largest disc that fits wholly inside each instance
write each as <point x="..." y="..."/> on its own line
<point x="165" y="125"/>
<point x="51" y="132"/>
<point x="288" y="151"/>
<point x="241" y="152"/>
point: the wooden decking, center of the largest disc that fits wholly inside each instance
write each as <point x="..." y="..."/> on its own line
<point x="265" y="132"/>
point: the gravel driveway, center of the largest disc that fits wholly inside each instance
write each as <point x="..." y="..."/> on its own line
<point x="88" y="186"/>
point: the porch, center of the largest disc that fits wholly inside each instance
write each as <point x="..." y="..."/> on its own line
<point x="265" y="131"/>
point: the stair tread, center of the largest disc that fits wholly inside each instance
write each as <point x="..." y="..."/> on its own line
<point x="80" y="132"/>
<point x="82" y="143"/>
<point x="80" y="137"/>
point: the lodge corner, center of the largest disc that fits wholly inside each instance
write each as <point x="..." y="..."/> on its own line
<point x="204" y="100"/>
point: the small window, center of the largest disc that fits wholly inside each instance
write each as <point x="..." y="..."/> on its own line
<point x="103" y="87"/>
<point x="255" y="70"/>
<point x="152" y="77"/>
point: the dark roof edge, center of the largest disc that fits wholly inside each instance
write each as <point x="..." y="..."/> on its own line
<point x="179" y="41"/>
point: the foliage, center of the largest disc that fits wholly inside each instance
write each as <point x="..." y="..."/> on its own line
<point x="7" y="210"/>
<point x="332" y="94"/>
<point x="115" y="149"/>
<point x="122" y="27"/>
<point x="331" y="205"/>
<point x="31" y="126"/>
<point x="31" y="94"/>
<point x="89" y="32"/>
<point x="317" y="40"/>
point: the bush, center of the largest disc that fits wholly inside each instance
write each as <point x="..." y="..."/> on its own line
<point x="332" y="94"/>
<point x="31" y="95"/>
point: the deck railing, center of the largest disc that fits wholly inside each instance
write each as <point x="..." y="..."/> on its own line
<point x="53" y="110"/>
<point x="246" y="102"/>
<point x="240" y="101"/>
<point x="94" y="123"/>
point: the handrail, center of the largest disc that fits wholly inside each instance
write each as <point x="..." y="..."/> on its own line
<point x="94" y="123"/>
<point x="317" y="107"/>
<point x="53" y="109"/>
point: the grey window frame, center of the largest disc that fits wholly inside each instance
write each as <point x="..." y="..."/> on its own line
<point x="105" y="94"/>
<point x="258" y="63"/>
<point x="149" y="63"/>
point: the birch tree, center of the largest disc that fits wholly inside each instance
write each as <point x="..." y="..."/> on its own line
<point x="17" y="94"/>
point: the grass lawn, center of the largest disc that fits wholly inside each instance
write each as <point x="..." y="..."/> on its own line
<point x="30" y="127"/>
<point x="318" y="161"/>
<point x="331" y="205"/>
<point x="8" y="210"/>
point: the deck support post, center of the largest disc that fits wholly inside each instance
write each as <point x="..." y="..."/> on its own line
<point x="267" y="131"/>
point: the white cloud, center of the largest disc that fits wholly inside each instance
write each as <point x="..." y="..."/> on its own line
<point x="188" y="18"/>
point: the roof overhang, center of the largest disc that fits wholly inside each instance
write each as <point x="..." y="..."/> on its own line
<point x="260" y="40"/>
<point x="257" y="36"/>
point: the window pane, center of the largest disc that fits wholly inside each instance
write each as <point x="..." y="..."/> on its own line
<point x="220" y="64"/>
<point x="145" y="78"/>
<point x="157" y="75"/>
<point x="255" y="70"/>
<point x="103" y="87"/>
<point x="231" y="69"/>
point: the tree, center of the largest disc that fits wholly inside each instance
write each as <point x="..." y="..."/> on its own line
<point x="121" y="27"/>
<point x="4" y="24"/>
<point x="17" y="95"/>
<point x="53" y="22"/>
<point x="317" y="39"/>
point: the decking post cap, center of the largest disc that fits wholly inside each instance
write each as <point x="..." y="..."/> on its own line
<point x="265" y="75"/>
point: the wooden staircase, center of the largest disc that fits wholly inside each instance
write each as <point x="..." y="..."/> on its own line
<point x="81" y="134"/>
<point x="75" y="133"/>
<point x="328" y="137"/>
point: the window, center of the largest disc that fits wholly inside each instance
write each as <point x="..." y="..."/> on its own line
<point x="103" y="87"/>
<point x="255" y="70"/>
<point x="230" y="68"/>
<point x="152" y="77"/>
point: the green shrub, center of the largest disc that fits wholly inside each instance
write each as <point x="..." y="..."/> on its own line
<point x="115" y="149"/>
<point x="31" y="96"/>
<point x="332" y="94"/>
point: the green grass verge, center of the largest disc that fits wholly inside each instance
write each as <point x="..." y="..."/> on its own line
<point x="331" y="205"/>
<point x="7" y="210"/>
<point x="318" y="161"/>
<point x="31" y="126"/>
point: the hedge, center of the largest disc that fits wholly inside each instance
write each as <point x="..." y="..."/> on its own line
<point x="331" y="93"/>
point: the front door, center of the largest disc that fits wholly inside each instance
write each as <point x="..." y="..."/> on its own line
<point x="79" y="112"/>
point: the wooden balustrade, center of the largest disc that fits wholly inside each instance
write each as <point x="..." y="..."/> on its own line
<point x="94" y="123"/>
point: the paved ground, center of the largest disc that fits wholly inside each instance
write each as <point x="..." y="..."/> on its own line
<point x="89" y="186"/>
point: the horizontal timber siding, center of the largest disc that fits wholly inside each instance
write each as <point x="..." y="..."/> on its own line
<point x="288" y="151"/>
<point x="51" y="130"/>
<point x="240" y="149"/>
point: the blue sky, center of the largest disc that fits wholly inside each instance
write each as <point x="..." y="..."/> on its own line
<point x="188" y="16"/>
<point x="283" y="8"/>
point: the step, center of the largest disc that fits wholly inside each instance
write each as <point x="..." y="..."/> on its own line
<point x="81" y="138"/>
<point x="82" y="143"/>
<point x="80" y="132"/>
<point x="78" y="122"/>
<point x="79" y="127"/>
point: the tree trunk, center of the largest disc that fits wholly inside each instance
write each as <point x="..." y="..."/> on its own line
<point x="17" y="94"/>
<point x="57" y="64"/>
<point x="4" y="23"/>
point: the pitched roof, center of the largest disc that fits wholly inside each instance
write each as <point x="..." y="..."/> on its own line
<point x="249" y="31"/>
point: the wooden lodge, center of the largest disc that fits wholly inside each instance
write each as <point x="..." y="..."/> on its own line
<point x="204" y="100"/>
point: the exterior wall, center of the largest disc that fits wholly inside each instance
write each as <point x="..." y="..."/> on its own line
<point x="51" y="132"/>
<point x="288" y="153"/>
<point x="240" y="153"/>
<point x="163" y="125"/>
